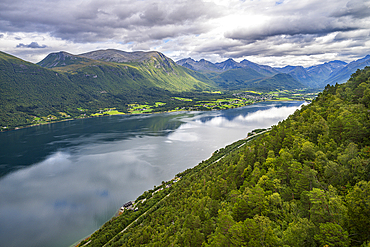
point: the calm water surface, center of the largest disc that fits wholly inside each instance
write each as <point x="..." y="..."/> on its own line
<point x="60" y="182"/>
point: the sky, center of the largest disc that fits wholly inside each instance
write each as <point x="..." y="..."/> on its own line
<point x="270" y="32"/>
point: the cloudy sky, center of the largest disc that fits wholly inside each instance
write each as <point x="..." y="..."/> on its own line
<point x="271" y="32"/>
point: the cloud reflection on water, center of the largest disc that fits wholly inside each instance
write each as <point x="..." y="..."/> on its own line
<point x="64" y="192"/>
<point x="74" y="190"/>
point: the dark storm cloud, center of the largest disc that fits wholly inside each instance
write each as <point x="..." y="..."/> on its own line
<point x="33" y="45"/>
<point x="291" y="26"/>
<point x="358" y="35"/>
<point x="357" y="9"/>
<point x="98" y="21"/>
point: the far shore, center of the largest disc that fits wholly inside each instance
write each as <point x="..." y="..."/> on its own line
<point x="129" y="114"/>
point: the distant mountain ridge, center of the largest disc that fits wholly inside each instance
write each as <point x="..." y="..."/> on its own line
<point x="317" y="76"/>
<point x="206" y="66"/>
<point x="318" y="72"/>
<point x="118" y="56"/>
<point x="232" y="75"/>
<point x="60" y="59"/>
<point x="345" y="73"/>
<point x="262" y="69"/>
<point x="109" y="55"/>
<point x="274" y="83"/>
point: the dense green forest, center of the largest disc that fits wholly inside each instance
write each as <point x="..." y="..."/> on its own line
<point x="303" y="183"/>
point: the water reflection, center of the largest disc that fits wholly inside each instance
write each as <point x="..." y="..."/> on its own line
<point x="86" y="169"/>
<point x="21" y="148"/>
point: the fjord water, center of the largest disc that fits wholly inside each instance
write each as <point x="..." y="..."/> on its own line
<point x="60" y="182"/>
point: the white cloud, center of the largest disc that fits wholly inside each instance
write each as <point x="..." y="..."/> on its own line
<point x="265" y="30"/>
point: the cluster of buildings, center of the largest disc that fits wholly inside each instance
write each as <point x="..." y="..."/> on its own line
<point x="254" y="96"/>
<point x="131" y="205"/>
<point x="128" y="206"/>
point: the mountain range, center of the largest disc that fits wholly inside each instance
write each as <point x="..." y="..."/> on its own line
<point x="62" y="83"/>
<point x="317" y="76"/>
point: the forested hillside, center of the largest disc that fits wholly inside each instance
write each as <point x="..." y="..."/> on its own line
<point x="303" y="183"/>
<point x="78" y="86"/>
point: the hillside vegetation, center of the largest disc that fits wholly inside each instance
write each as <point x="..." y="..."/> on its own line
<point x="69" y="83"/>
<point x="126" y="70"/>
<point x="303" y="183"/>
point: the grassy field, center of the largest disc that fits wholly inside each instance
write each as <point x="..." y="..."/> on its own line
<point x="107" y="111"/>
<point x="182" y="99"/>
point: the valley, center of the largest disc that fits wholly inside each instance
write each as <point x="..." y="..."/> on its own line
<point x="56" y="88"/>
<point x="201" y="123"/>
<point x="307" y="176"/>
<point x="221" y="102"/>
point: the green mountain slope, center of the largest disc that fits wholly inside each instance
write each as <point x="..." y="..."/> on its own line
<point x="70" y="85"/>
<point x="246" y="78"/>
<point x="27" y="89"/>
<point x="61" y="59"/>
<point x="149" y="69"/>
<point x="235" y="79"/>
<point x="306" y="182"/>
<point x="279" y="81"/>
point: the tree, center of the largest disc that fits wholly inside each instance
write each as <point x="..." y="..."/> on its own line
<point x="275" y="208"/>
<point x="303" y="178"/>
<point x="331" y="234"/>
<point x="336" y="174"/>
<point x="240" y="210"/>
<point x="222" y="234"/>
<point x="253" y="178"/>
<point x="307" y="151"/>
<point x="326" y="206"/>
<point x="299" y="233"/>
<point x="265" y="236"/>
<point x="358" y="202"/>
<point x="253" y="232"/>
<point x="251" y="203"/>
<point x="244" y="233"/>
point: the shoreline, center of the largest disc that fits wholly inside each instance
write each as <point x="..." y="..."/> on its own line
<point x="245" y="140"/>
<point x="71" y="119"/>
<point x="140" y="116"/>
<point x="129" y="114"/>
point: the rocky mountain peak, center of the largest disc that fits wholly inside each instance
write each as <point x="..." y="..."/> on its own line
<point x="118" y="56"/>
<point x="59" y="59"/>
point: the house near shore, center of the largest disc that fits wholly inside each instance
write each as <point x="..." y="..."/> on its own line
<point x="128" y="205"/>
